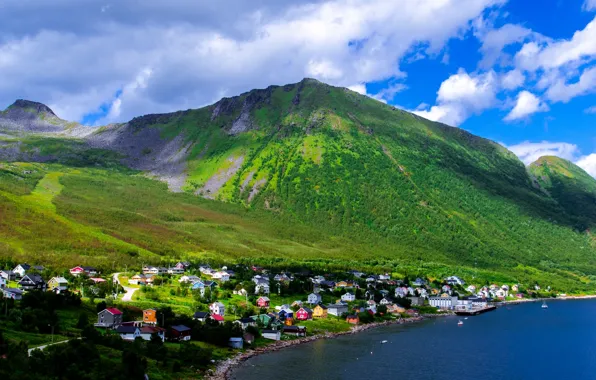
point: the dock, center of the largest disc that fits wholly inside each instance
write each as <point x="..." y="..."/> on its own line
<point x="476" y="311"/>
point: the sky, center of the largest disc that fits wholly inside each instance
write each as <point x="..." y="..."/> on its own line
<point x="519" y="72"/>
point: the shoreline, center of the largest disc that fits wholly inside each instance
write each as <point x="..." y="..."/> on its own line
<point x="225" y="367"/>
<point x="526" y="300"/>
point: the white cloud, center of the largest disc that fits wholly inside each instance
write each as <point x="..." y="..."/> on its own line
<point x="359" y="88"/>
<point x="588" y="163"/>
<point x="529" y="152"/>
<point x="590" y="110"/>
<point x="462" y="95"/>
<point x="512" y="80"/>
<point x="563" y="92"/>
<point x="202" y="50"/>
<point x="495" y="40"/>
<point x="526" y="105"/>
<point x="589" y="5"/>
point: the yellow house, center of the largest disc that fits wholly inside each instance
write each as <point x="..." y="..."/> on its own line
<point x="320" y="311"/>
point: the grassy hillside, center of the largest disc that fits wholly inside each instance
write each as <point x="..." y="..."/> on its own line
<point x="306" y="172"/>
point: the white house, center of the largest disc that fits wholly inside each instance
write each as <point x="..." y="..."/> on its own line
<point x="221" y="276"/>
<point x="2" y="283"/>
<point x="385" y="276"/>
<point x="314" y="298"/>
<point x="217" y="308"/>
<point x="15" y="294"/>
<point x="443" y="302"/>
<point x="147" y="331"/>
<point x="21" y="269"/>
<point x="348" y="297"/>
<point x="128" y="332"/>
<point x="384" y="301"/>
<point x="262" y="288"/>
<point x="471" y="289"/>
<point x="8" y="275"/>
<point x="150" y="270"/>
<point x="271" y="334"/>
<point x="175" y="270"/>
<point x="454" y="280"/>
<point x="337" y="309"/>
<point x="401" y="292"/>
<point x="419" y="282"/>
<point x="189" y="278"/>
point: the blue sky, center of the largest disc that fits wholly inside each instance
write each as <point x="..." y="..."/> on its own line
<point x="518" y="72"/>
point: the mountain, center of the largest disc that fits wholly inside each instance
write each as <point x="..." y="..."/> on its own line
<point x="569" y="185"/>
<point x="294" y="173"/>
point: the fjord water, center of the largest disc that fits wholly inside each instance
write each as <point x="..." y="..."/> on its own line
<point x="514" y="342"/>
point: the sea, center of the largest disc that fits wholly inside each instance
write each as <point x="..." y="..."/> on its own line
<point x="521" y="341"/>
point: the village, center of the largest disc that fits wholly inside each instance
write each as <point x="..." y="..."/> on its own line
<point x="249" y="304"/>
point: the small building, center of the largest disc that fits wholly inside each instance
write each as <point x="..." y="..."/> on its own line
<point x="262" y="288"/>
<point x="353" y="319"/>
<point x="319" y="311"/>
<point x="150" y="316"/>
<point x="21" y="269"/>
<point x="236" y="343"/>
<point x="385" y="301"/>
<point x="303" y="314"/>
<point x="128" y="332"/>
<point x="271" y="334"/>
<point x="189" y="279"/>
<point x="180" y="332"/>
<point x="203" y="285"/>
<point x="348" y="297"/>
<point x="245" y="322"/>
<point x="454" y="280"/>
<point x="8" y="275"/>
<point x="109" y="318"/>
<point x="2" y="283"/>
<point x="443" y="302"/>
<point x="395" y="309"/>
<point x="137" y="279"/>
<point x="217" y="308"/>
<point x="416" y="301"/>
<point x="263" y="302"/>
<point x="97" y="280"/>
<point x="248" y="338"/>
<point x="221" y="276"/>
<point x="314" y="299"/>
<point x="295" y="330"/>
<point x="15" y="294"/>
<point x="148" y="331"/>
<point x="58" y="284"/>
<point x="201" y="316"/>
<point x="337" y="309"/>
<point x="83" y="270"/>
<point x="218" y="318"/>
<point x="32" y="282"/>
<point x="419" y="282"/>
<point x="175" y="271"/>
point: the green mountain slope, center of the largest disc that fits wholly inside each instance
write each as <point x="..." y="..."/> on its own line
<point x="302" y="172"/>
<point x="570" y="186"/>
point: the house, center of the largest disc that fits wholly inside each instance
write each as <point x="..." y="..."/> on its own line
<point x="175" y="270"/>
<point x="256" y="268"/>
<point x="401" y="292"/>
<point x="182" y="265"/>
<point x="150" y="270"/>
<point x="285" y="314"/>
<point x="128" y="332"/>
<point x="282" y="277"/>
<point x="337" y="309"/>
<point x="189" y="279"/>
<point x="2" y="283"/>
<point x="241" y="292"/>
<point x="97" y="280"/>
<point x="218" y="318"/>
<point x="294" y="330"/>
<point x="245" y="322"/>
<point x="217" y="308"/>
<point x="109" y="318"/>
<point x="314" y="298"/>
<point x="319" y="311"/>
<point x="515" y="288"/>
<point x="137" y="279"/>
<point x="237" y="343"/>
<point x="419" y="282"/>
<point x="446" y="289"/>
<point x="385" y="301"/>
<point x="353" y="319"/>
<point x="271" y="334"/>
<point x="150" y="316"/>
<point x="32" y="282"/>
<point x="355" y="273"/>
<point x="471" y="289"/>
<point x="297" y="303"/>
<point x="303" y="314"/>
<point x="8" y="275"/>
<point x="262" y="288"/>
<point x="371" y="303"/>
<point x="443" y="302"/>
<point x="454" y="280"/>
<point x="348" y="297"/>
<point x="327" y="284"/>
<point x="58" y="284"/>
<point x="263" y="319"/>
<point x="202" y="285"/>
<point x="221" y="276"/>
<point x="248" y="338"/>
<point x="416" y="301"/>
<point x="395" y="309"/>
<point x="147" y="331"/>
<point x="201" y="316"/>
<point x="263" y="302"/>
<point x="83" y="270"/>
<point x="385" y="277"/>
<point x="21" y="269"/>
<point x="204" y="267"/>
<point x="15" y="294"/>
<point x="345" y="284"/>
<point x="180" y="332"/>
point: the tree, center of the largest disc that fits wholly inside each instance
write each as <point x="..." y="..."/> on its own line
<point x="83" y="320"/>
<point x="101" y="306"/>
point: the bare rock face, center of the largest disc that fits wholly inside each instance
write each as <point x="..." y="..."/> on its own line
<point x="28" y="116"/>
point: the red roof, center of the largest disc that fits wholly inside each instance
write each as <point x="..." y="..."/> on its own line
<point x="217" y="317"/>
<point x="113" y="311"/>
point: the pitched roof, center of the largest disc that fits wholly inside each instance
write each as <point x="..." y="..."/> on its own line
<point x="126" y="329"/>
<point x="247" y="320"/>
<point x="113" y="311"/>
<point x="181" y="328"/>
<point x="201" y="314"/>
<point x="217" y="317"/>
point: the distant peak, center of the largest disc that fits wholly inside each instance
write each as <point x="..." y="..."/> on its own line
<point x="37" y="107"/>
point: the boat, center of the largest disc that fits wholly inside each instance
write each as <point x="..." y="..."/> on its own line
<point x="460" y="323"/>
<point x="383" y="341"/>
<point x="544" y="305"/>
<point x="466" y="318"/>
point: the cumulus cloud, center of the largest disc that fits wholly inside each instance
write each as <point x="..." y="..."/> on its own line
<point x="462" y="95"/>
<point x="561" y="91"/>
<point x="529" y="152"/>
<point x="512" y="80"/>
<point x="588" y="163"/>
<point x="589" y="5"/>
<point x="590" y="110"/>
<point x="526" y="105"/>
<point x="495" y="40"/>
<point x="197" y="51"/>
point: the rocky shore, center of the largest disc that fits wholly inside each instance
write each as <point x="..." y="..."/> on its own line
<point x="224" y="368"/>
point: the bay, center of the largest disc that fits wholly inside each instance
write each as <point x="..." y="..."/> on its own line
<point x="514" y="342"/>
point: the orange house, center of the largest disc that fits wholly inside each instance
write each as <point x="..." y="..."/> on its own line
<point x="353" y="319"/>
<point x="150" y="316"/>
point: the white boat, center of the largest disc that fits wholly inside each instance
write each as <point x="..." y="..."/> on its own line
<point x="544" y="305"/>
<point x="383" y="341"/>
<point x="466" y="318"/>
<point x="460" y="323"/>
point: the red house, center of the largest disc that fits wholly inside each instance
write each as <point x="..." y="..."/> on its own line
<point x="217" y="318"/>
<point x="263" y="302"/>
<point x="303" y="314"/>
